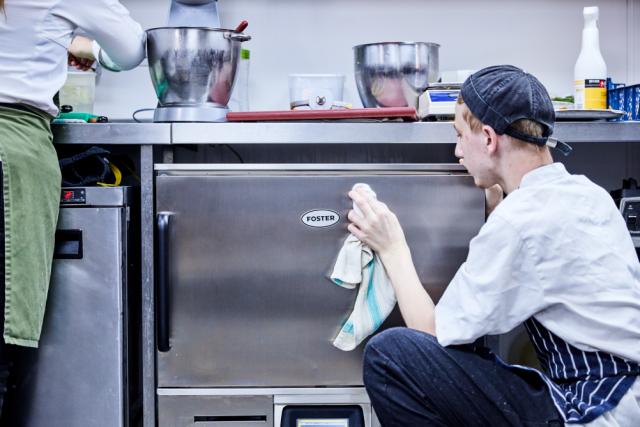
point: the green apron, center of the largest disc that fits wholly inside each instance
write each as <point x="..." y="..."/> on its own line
<point x="31" y="189"/>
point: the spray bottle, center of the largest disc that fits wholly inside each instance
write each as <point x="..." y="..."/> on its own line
<point x="590" y="72"/>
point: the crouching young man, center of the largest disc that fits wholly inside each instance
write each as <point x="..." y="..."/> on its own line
<point x="555" y="255"/>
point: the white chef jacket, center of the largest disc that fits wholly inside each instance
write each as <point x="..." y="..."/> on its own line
<point x="556" y="249"/>
<point x="35" y="35"/>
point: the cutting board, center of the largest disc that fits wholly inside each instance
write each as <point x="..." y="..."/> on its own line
<point x="405" y="113"/>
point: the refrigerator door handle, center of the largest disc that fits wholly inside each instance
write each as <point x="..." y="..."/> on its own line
<point x="163" y="281"/>
<point x="68" y="244"/>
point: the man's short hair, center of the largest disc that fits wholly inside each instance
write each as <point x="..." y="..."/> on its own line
<point x="525" y="126"/>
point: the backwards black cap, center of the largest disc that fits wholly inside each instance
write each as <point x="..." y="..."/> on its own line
<point x="502" y="94"/>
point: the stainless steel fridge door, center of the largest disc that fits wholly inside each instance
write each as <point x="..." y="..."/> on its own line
<point x="78" y="376"/>
<point x="248" y="299"/>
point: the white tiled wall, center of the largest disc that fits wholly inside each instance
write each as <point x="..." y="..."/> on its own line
<point x="317" y="36"/>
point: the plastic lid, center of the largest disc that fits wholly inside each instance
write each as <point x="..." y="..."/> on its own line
<point x="244" y="53"/>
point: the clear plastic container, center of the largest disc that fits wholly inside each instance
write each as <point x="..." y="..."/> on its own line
<point x="316" y="91"/>
<point x="79" y="91"/>
<point x="240" y="96"/>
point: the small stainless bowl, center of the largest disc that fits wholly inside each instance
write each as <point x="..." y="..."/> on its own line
<point x="395" y="74"/>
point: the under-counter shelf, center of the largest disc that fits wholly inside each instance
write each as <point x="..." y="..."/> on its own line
<point x="128" y="133"/>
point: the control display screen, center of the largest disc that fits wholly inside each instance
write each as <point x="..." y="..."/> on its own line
<point x="326" y="422"/>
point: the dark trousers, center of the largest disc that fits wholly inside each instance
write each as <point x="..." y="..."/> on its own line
<point x="413" y="381"/>
<point x="5" y="367"/>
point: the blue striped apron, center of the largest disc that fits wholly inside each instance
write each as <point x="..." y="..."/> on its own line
<point x="583" y="384"/>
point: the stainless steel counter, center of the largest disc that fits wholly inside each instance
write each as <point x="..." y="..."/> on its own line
<point x="328" y="142"/>
<point x="129" y="133"/>
<point x="123" y="133"/>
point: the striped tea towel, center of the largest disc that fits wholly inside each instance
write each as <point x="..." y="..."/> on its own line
<point x="356" y="265"/>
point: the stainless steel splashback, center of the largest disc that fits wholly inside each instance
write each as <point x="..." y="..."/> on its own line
<point x="248" y="299"/>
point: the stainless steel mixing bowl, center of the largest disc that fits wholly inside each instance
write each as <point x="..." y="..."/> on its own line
<point x="193" y="66"/>
<point x="395" y="74"/>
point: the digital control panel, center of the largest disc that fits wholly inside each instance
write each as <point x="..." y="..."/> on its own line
<point x="73" y="196"/>
<point x="630" y="208"/>
<point x="342" y="422"/>
<point x="322" y="416"/>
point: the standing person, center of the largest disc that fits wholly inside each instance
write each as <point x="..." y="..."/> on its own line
<point x="555" y="255"/>
<point x="36" y="44"/>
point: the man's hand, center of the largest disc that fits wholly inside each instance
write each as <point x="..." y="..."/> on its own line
<point x="81" y="53"/>
<point x="494" y="196"/>
<point x="378" y="227"/>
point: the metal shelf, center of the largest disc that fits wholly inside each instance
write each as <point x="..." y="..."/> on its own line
<point x="314" y="133"/>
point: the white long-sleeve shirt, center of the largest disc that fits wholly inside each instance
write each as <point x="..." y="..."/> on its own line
<point x="35" y="36"/>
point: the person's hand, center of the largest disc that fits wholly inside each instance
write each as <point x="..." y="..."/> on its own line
<point x="494" y="196"/>
<point x="80" y="63"/>
<point x="81" y="53"/>
<point x="378" y="227"/>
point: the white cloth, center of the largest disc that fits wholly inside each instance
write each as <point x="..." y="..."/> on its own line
<point x="355" y="265"/>
<point x="558" y="249"/>
<point x="35" y="35"/>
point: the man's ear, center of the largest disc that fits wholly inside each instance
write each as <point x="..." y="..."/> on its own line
<point x="490" y="138"/>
